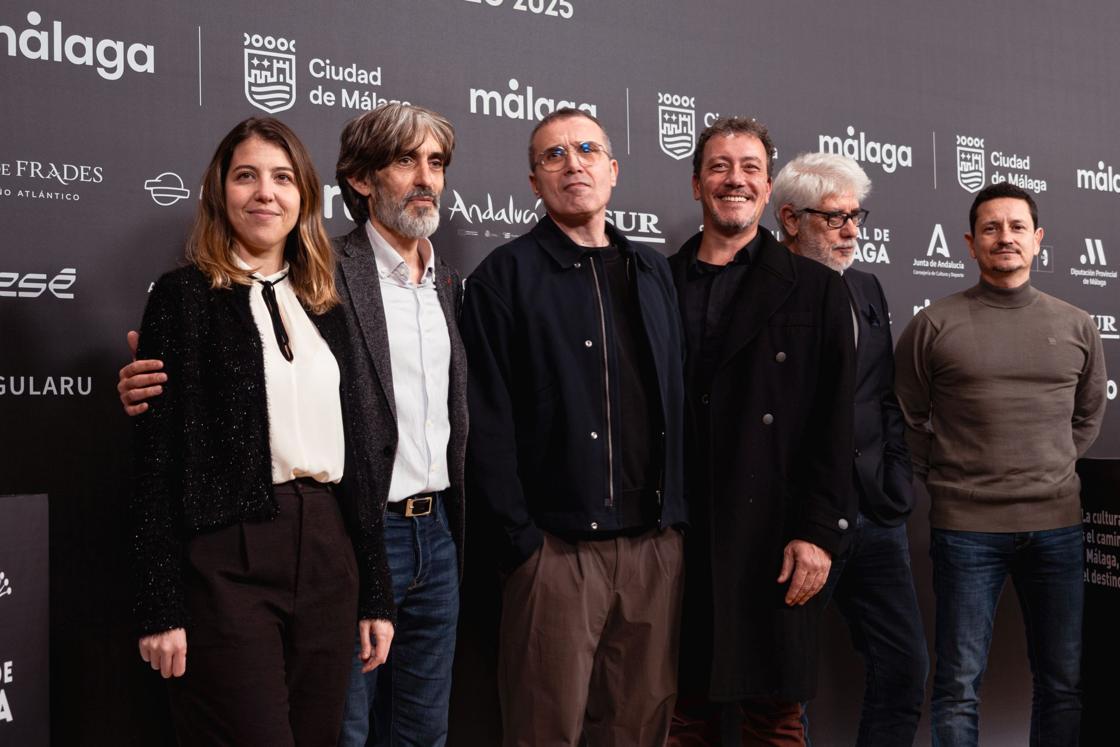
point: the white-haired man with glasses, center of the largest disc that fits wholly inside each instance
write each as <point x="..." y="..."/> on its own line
<point x="576" y="402"/>
<point x="817" y="201"/>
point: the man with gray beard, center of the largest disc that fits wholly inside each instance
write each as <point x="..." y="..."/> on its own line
<point x="816" y="199"/>
<point x="409" y="369"/>
<point x="405" y="304"/>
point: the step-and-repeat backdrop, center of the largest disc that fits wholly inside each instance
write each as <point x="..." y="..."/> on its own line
<point x="110" y="112"/>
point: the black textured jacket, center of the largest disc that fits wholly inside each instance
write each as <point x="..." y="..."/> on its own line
<point x="542" y="452"/>
<point x="203" y="459"/>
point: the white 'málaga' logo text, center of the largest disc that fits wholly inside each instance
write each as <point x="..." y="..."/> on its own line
<point x="109" y="56"/>
<point x="860" y="148"/>
<point x="521" y="105"/>
<point x="1104" y="179"/>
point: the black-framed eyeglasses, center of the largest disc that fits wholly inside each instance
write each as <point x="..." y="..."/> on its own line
<point x="837" y="218"/>
<point x="588" y="152"/>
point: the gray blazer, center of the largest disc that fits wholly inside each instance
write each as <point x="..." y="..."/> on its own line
<point x="372" y="376"/>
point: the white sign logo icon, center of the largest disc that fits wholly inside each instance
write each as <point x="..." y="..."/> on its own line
<point x="270" y="73"/>
<point x="1094" y="253"/>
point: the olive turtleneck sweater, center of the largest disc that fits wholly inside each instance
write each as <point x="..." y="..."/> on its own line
<point x="1002" y="390"/>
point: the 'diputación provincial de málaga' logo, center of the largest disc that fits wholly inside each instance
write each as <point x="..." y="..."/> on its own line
<point x="270" y="72"/>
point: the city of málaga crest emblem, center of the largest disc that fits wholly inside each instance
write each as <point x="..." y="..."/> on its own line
<point x="676" y="117"/>
<point x="970" y="163"/>
<point x="270" y="73"/>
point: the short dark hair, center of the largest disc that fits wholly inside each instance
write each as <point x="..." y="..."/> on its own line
<point x="372" y="141"/>
<point x="566" y="112"/>
<point x="729" y="126"/>
<point x="996" y="191"/>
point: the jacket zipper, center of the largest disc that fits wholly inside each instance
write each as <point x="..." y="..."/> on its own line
<point x="606" y="387"/>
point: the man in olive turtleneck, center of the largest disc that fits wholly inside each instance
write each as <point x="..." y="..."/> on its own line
<point x="1003" y="389"/>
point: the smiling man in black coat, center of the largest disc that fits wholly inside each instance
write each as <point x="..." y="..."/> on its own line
<point x="817" y="201"/>
<point x="769" y="387"/>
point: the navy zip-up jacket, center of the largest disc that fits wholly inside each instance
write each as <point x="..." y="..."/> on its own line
<point x="543" y="451"/>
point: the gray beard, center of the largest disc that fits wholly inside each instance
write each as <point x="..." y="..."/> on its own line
<point x="824" y="255"/>
<point x="405" y="222"/>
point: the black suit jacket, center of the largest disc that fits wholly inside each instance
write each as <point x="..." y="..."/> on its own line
<point x="882" y="461"/>
<point x="777" y="455"/>
<point x="372" y="377"/>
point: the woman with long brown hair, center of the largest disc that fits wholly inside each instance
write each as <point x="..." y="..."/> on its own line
<point x="241" y="546"/>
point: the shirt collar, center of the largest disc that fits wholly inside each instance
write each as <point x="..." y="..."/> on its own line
<point x="744" y="256"/>
<point x="566" y="252"/>
<point x="279" y="274"/>
<point x="390" y="264"/>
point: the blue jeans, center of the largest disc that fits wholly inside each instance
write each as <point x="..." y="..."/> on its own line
<point x="873" y="587"/>
<point x="969" y="571"/>
<point x="405" y="700"/>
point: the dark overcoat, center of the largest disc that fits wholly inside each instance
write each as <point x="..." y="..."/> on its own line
<point x="775" y="463"/>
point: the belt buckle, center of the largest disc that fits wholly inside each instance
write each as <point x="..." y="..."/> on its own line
<point x="412" y="506"/>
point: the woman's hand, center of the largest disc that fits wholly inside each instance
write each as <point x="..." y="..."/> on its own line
<point x="376" y="636"/>
<point x="167" y="652"/>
